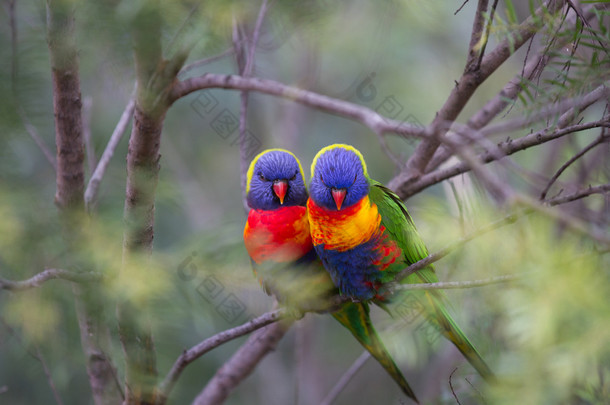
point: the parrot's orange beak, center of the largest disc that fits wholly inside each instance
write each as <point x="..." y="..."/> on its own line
<point x="279" y="188"/>
<point x="338" y="196"/>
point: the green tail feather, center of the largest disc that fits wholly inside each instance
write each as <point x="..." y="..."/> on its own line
<point x="453" y="332"/>
<point x="355" y="317"/>
<point x="437" y="313"/>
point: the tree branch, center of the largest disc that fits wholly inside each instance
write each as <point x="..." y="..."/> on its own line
<point x="46" y="275"/>
<point x="33" y="132"/>
<point x="476" y="36"/>
<point x="346" y="378"/>
<point x="95" y="341"/>
<point x="66" y="105"/>
<point x="449" y="285"/>
<point x="507" y="148"/>
<point x="466" y="87"/>
<point x="242" y="363"/>
<point x="487" y="31"/>
<point x="142" y="175"/>
<point x="363" y="115"/>
<point x="100" y="169"/>
<point x="70" y="187"/>
<point x="192" y="354"/>
<point x="511" y="90"/>
<point x="154" y="77"/>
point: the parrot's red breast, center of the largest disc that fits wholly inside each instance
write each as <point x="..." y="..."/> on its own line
<point x="280" y="235"/>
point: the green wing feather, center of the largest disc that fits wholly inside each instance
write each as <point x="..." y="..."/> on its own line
<point x="355" y="317"/>
<point x="400" y="226"/>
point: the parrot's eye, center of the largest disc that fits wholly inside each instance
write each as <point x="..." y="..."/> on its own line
<point x="293" y="177"/>
<point x="260" y="176"/>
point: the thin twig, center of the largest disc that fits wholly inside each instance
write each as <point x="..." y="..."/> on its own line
<point x="487" y="31"/>
<point x="579" y="12"/>
<point x="498" y="189"/>
<point x="563" y="218"/>
<point x="603" y="136"/>
<point x="47" y="373"/>
<point x="33" y="132"/>
<point x="454" y="285"/>
<point x="192" y="354"/>
<point x="601" y="189"/>
<point x="46" y="275"/>
<point x="240" y="46"/>
<point x="182" y="27"/>
<point x="476" y="390"/>
<point x="37" y="355"/>
<point x="31" y="129"/>
<point x="476" y="35"/>
<point x="257" y="29"/>
<point x="246" y="71"/>
<point x="461" y="7"/>
<point x="451" y="386"/>
<point x="455" y="245"/>
<point x="96" y="178"/>
<point x="388" y="152"/>
<point x="205" y="61"/>
<point x="346" y="378"/>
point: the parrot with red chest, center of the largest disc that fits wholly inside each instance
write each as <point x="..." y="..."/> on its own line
<point x="278" y="241"/>
<point x="364" y="236"/>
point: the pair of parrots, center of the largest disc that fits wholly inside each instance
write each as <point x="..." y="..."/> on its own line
<point x="350" y="235"/>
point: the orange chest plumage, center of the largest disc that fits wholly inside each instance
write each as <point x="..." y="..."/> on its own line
<point x="280" y="235"/>
<point x="354" y="246"/>
<point x="345" y="229"/>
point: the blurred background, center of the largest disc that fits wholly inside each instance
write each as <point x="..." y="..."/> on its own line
<point x="547" y="334"/>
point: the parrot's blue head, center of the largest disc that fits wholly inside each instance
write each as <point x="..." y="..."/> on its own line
<point x="274" y="180"/>
<point x="338" y="177"/>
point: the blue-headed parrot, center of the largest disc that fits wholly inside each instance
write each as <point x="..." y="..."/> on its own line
<point x="364" y="236"/>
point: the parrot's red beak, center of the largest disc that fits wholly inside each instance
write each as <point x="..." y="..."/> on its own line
<point x="279" y="188"/>
<point x="338" y="196"/>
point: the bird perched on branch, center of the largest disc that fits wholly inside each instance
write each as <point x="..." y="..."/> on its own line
<point x="279" y="243"/>
<point x="364" y="235"/>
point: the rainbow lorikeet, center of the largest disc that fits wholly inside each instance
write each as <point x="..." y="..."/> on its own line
<point x="364" y="235"/>
<point x="278" y="241"/>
